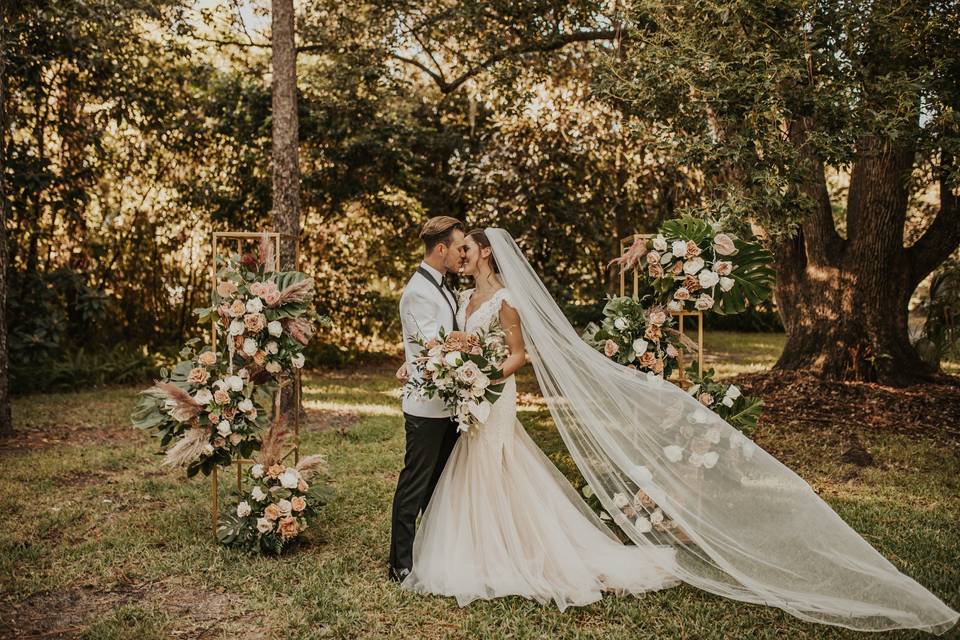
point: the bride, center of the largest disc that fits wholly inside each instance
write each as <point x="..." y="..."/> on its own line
<point x="701" y="502"/>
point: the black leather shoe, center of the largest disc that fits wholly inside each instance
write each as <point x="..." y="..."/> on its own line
<point x="397" y="575"/>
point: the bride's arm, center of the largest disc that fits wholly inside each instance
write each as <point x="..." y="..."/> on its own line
<point x="510" y="321"/>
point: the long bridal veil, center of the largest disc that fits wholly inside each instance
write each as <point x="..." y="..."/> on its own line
<point x="673" y="472"/>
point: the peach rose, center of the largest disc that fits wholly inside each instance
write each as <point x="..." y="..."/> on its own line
<point x="297" y="503"/>
<point x="302" y="485"/>
<point x="221" y="397"/>
<point x="289" y="528"/>
<point x="652" y="333"/>
<point x="207" y="358"/>
<point x="235" y="438"/>
<point x="657" y="316"/>
<point x="672" y="351"/>
<point x="647" y="359"/>
<point x="219" y="442"/>
<point x="258" y="288"/>
<point x="677" y="268"/>
<point x="271" y="298"/>
<point x="198" y="375"/>
<point x="272" y="512"/>
<point x="705" y="399"/>
<point x="226" y="288"/>
<point x="610" y="348"/>
<point x="260" y="358"/>
<point x="275" y="470"/>
<point x="655" y="271"/>
<point x="255" y="322"/>
<point x="682" y="294"/>
<point x="214" y="418"/>
<point x="657" y="366"/>
<point x="237" y="309"/>
<point x="230" y="413"/>
<point x="722" y="268"/>
<point x="692" y="249"/>
<point x="653" y="258"/>
<point x="691" y="284"/>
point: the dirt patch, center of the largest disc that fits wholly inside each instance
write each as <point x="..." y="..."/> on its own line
<point x="849" y="408"/>
<point x="331" y="419"/>
<point x="193" y="612"/>
<point x="29" y="438"/>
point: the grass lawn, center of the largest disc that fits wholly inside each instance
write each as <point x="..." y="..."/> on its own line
<point x="98" y="541"/>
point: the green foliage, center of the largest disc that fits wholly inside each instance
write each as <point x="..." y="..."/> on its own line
<point x="724" y="399"/>
<point x="753" y="279"/>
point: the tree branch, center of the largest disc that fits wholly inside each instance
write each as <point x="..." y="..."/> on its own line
<point x="942" y="237"/>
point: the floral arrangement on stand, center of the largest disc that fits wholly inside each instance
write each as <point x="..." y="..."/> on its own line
<point x="212" y="406"/>
<point x="642" y="339"/>
<point x="725" y="400"/>
<point x="281" y="503"/>
<point x="461" y="373"/>
<point x="693" y="265"/>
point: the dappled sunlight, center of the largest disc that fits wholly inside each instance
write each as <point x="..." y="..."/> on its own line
<point x="362" y="409"/>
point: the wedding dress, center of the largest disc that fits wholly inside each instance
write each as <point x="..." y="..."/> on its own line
<point x="504" y="521"/>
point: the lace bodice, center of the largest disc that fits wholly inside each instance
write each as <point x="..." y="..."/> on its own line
<point x="485" y="314"/>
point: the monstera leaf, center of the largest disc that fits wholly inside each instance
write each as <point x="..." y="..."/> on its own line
<point x="753" y="279"/>
<point x="688" y="228"/>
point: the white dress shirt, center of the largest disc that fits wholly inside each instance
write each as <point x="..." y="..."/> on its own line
<point x="422" y="312"/>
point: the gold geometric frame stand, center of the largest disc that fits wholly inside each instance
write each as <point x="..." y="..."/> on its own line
<point x="238" y="238"/>
<point x="681" y="316"/>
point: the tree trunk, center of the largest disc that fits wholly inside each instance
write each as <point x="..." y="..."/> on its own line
<point x="286" y="140"/>
<point x="844" y="302"/>
<point x="286" y="172"/>
<point x="6" y="420"/>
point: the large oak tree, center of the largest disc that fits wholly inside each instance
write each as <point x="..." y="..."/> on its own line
<point x="766" y="98"/>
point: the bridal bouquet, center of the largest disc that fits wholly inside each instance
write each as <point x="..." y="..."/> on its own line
<point x="692" y="264"/>
<point x="280" y="503"/>
<point x="643" y="339"/>
<point x="460" y="372"/>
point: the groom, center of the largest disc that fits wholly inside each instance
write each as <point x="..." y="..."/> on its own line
<point x="425" y="306"/>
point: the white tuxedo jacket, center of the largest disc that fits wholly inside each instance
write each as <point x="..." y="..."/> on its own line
<point x="423" y="311"/>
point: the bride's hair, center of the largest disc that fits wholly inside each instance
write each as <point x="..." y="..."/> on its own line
<point x="480" y="237"/>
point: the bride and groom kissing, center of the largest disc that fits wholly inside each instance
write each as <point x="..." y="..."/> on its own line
<point x="499" y="519"/>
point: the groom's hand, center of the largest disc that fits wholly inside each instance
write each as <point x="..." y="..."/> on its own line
<point x="402" y="374"/>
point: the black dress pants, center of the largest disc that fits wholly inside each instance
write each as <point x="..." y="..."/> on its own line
<point x="429" y="443"/>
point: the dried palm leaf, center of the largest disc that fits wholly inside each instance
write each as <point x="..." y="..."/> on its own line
<point x="300" y="329"/>
<point x="274" y="441"/>
<point x="297" y="292"/>
<point x="631" y="258"/>
<point x="311" y="464"/>
<point x="179" y="403"/>
<point x="267" y="253"/>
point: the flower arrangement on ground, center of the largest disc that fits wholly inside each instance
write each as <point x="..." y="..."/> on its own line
<point x="462" y="372"/>
<point x="281" y="503"/>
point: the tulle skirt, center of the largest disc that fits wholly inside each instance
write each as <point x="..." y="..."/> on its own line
<point x="504" y="521"/>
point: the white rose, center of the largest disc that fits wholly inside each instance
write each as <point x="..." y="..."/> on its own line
<point x="698" y="417"/>
<point x="297" y="361"/>
<point x="207" y="449"/>
<point x="272" y="348"/>
<point x="727" y="402"/>
<point x="642" y="525"/>
<point x="660" y="243"/>
<point x="224" y="428"/>
<point x="453" y="358"/>
<point x="733" y="391"/>
<point x="481" y="383"/>
<point x="203" y="396"/>
<point x="620" y="501"/>
<point x="274" y="328"/>
<point x="264" y="525"/>
<point x="273" y="367"/>
<point x="695" y="459"/>
<point x="621" y="323"/>
<point x="710" y="459"/>
<point x="693" y="265"/>
<point x="245" y="405"/>
<point x="235" y="383"/>
<point x="713" y="435"/>
<point x="679" y="248"/>
<point x="656" y="517"/>
<point x="254" y="305"/>
<point x="727" y="283"/>
<point x="258" y="494"/>
<point x="285" y="507"/>
<point x="243" y="509"/>
<point x="289" y="478"/>
<point x="640" y="346"/>
<point x="236" y="327"/>
<point x="256" y="470"/>
<point x="673" y="452"/>
<point x="723" y="267"/>
<point x="675" y="306"/>
<point x="748" y="449"/>
<point x="708" y="278"/>
<point x="250" y="346"/>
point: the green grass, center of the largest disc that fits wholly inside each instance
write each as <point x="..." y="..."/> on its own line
<point x="98" y="541"/>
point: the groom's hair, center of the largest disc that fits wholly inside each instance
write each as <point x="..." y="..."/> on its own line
<point x="437" y="230"/>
